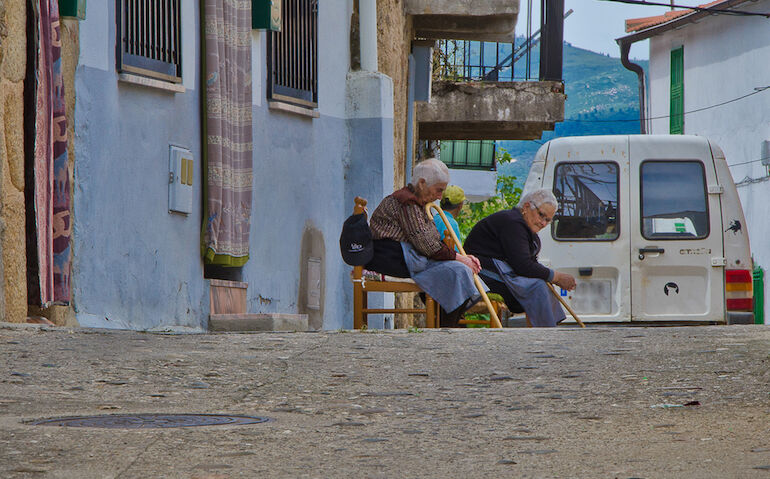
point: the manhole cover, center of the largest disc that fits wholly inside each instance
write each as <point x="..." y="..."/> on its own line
<point x="148" y="421"/>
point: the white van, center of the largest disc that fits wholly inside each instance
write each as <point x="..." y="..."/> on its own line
<point x="651" y="227"/>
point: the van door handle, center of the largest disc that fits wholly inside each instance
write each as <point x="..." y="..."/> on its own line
<point x="650" y="250"/>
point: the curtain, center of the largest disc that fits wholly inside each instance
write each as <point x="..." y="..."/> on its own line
<point x="51" y="195"/>
<point x="227" y="131"/>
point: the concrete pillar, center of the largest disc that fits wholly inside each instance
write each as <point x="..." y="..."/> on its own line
<point x="369" y="169"/>
<point x="368" y="32"/>
<point x="552" y="39"/>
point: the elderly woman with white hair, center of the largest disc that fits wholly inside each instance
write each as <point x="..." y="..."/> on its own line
<point x="407" y="244"/>
<point x="507" y="245"/>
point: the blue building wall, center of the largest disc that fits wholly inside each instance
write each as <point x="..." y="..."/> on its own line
<point x="307" y="172"/>
<point x="136" y="265"/>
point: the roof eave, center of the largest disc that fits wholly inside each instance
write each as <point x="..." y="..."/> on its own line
<point x="691" y="17"/>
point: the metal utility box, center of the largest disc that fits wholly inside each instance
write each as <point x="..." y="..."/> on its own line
<point x="73" y="8"/>
<point x="180" y="180"/>
<point x="266" y="15"/>
<point x="314" y="283"/>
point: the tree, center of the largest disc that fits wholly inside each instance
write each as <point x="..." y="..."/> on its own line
<point x="508" y="195"/>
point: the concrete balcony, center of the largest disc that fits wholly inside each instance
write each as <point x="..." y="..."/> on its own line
<point x="490" y="110"/>
<point x="488" y="20"/>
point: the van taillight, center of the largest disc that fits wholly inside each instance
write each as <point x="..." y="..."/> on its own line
<point x="739" y="290"/>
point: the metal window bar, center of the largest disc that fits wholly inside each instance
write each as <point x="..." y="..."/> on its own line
<point x="293" y="55"/>
<point x="149" y="33"/>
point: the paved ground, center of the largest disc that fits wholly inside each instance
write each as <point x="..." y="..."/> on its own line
<point x="598" y="402"/>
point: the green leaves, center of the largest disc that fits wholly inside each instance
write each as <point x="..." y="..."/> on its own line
<point x="507" y="197"/>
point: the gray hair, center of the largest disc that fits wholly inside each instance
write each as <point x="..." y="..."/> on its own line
<point x="538" y="198"/>
<point x="432" y="171"/>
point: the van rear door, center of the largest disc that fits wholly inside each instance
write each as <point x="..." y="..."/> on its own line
<point x="677" y="258"/>
<point x="589" y="237"/>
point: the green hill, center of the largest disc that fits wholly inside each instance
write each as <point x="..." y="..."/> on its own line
<point x="601" y="97"/>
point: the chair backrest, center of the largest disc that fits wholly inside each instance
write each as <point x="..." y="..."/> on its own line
<point x="359" y="208"/>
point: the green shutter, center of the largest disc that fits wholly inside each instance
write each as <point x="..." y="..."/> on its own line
<point x="73" y="8"/>
<point x="266" y="15"/>
<point x="447" y="151"/>
<point x="676" y="125"/>
<point x="469" y="154"/>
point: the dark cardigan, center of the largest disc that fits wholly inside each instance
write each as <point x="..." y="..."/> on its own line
<point x="505" y="236"/>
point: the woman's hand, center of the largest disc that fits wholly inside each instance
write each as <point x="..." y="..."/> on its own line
<point x="564" y="280"/>
<point x="470" y="261"/>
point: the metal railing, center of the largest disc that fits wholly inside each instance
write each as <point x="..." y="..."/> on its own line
<point x="465" y="60"/>
<point x="149" y="35"/>
<point x="292" y="54"/>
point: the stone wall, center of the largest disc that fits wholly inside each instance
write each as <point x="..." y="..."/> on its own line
<point x="13" y="63"/>
<point x="394" y="39"/>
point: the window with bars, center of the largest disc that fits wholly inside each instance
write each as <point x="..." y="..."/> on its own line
<point x="149" y="38"/>
<point x="292" y="55"/>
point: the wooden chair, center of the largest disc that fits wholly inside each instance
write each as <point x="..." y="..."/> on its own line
<point x="363" y="286"/>
<point x="481" y="308"/>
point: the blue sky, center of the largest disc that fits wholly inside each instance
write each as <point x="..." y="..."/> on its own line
<point x="595" y="24"/>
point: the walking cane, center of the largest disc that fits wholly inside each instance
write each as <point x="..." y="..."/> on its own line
<point x="566" y="306"/>
<point x="494" y="320"/>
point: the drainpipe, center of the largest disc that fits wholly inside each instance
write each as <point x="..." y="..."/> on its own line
<point x="367" y="14"/>
<point x="412" y="74"/>
<point x="625" y="48"/>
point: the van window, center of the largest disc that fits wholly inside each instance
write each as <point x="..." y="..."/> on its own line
<point x="588" y="202"/>
<point x="674" y="200"/>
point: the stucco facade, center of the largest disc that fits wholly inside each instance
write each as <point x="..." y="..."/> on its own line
<point x="138" y="266"/>
<point x="135" y="265"/>
<point x="725" y="58"/>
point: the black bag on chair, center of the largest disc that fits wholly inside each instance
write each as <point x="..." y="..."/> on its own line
<point x="356" y="241"/>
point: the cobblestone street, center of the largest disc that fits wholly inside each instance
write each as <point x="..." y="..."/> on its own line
<point x="686" y="402"/>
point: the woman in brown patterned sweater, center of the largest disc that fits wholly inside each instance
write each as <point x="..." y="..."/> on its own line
<point x="407" y="243"/>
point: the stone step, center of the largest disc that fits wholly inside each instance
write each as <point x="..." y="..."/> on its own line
<point x="258" y="322"/>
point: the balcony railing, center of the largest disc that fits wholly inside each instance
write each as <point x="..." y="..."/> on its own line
<point x="486" y="89"/>
<point x="464" y="60"/>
